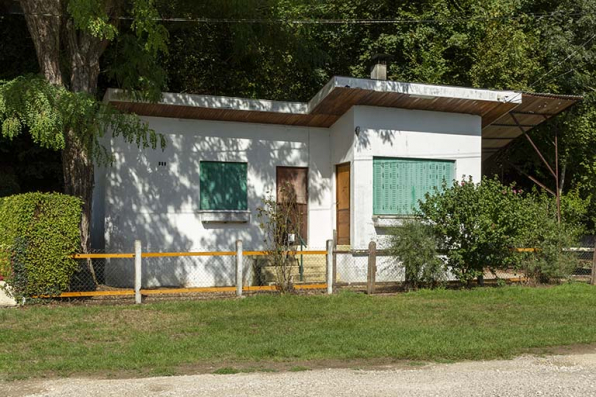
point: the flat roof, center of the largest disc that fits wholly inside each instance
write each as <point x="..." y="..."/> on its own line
<point x="495" y="107"/>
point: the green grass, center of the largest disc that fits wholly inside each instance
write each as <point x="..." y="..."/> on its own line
<point x="181" y="337"/>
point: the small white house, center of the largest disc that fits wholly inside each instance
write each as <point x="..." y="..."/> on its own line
<point x="360" y="154"/>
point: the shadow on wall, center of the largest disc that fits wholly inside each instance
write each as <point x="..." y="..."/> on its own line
<point x="154" y="196"/>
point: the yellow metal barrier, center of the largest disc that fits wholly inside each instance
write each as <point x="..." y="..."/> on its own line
<point x="175" y="254"/>
<point x="166" y="291"/>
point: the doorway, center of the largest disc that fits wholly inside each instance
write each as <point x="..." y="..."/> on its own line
<point x="297" y="179"/>
<point x="343" y="204"/>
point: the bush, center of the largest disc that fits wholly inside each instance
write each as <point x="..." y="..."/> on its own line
<point x="41" y="232"/>
<point x="541" y="230"/>
<point x="414" y="245"/>
<point x="479" y="225"/>
<point x="279" y="221"/>
<point x="476" y="225"/>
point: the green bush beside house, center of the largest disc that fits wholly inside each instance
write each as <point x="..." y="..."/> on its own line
<point x="478" y="225"/>
<point x="40" y="233"/>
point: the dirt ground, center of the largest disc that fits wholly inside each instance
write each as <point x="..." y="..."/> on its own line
<point x="570" y="372"/>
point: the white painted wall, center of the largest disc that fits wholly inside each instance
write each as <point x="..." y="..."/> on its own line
<point x="160" y="205"/>
<point x="137" y="199"/>
<point x="388" y="132"/>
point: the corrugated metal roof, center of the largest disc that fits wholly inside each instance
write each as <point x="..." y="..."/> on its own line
<point x="535" y="109"/>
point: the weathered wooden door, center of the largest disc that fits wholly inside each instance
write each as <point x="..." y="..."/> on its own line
<point x="297" y="178"/>
<point x="343" y="204"/>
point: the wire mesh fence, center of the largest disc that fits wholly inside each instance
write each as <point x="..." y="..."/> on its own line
<point x="114" y="274"/>
<point x="352" y="271"/>
<point x="586" y="257"/>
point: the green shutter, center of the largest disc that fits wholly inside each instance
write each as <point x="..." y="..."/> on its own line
<point x="398" y="184"/>
<point x="223" y="186"/>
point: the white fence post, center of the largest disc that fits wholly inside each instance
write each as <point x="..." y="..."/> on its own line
<point x="329" y="267"/>
<point x="138" y="272"/>
<point x="239" y="268"/>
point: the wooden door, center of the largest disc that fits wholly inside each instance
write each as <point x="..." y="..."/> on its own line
<point x="297" y="178"/>
<point x="343" y="204"/>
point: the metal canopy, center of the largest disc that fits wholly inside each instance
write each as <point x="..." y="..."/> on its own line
<point x="533" y="110"/>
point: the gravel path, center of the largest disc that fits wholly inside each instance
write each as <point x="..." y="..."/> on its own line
<point x="560" y="375"/>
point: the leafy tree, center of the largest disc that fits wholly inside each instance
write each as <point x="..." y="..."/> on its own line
<point x="255" y="50"/>
<point x="59" y="110"/>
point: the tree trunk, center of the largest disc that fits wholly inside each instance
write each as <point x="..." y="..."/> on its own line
<point x="84" y="52"/>
<point x="44" y="22"/>
<point x="78" y="173"/>
<point x="54" y="35"/>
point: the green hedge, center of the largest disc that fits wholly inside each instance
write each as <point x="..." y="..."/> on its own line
<point x="40" y="231"/>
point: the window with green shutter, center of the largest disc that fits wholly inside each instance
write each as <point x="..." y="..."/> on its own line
<point x="399" y="183"/>
<point x="223" y="186"/>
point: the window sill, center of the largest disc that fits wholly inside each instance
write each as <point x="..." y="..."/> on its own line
<point x="390" y="220"/>
<point x="224" y="216"/>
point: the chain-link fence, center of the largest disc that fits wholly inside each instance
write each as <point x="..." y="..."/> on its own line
<point x="352" y="271"/>
<point x="585" y="255"/>
<point x="103" y="274"/>
<point x="114" y="274"/>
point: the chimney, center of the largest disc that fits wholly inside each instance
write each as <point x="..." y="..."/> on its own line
<point x="379" y="68"/>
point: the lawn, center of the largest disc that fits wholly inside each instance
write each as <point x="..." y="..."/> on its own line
<point x="256" y="332"/>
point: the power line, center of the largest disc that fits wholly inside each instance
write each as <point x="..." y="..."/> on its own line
<point x="563" y="61"/>
<point x="559" y="76"/>
<point x="274" y="21"/>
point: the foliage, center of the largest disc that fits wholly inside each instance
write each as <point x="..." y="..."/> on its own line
<point x="30" y="104"/>
<point x="550" y="261"/>
<point x="280" y="221"/>
<point x="479" y="225"/>
<point x="476" y="224"/>
<point x="532" y="45"/>
<point x="138" y="44"/>
<point x="42" y="232"/>
<point x="535" y="46"/>
<point x="414" y="245"/>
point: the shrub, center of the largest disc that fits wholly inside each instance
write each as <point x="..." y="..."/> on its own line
<point x="476" y="225"/>
<point x="281" y="225"/>
<point x="541" y="230"/>
<point x="414" y="245"/>
<point x="41" y="231"/>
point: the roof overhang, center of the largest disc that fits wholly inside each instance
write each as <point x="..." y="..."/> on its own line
<point x="328" y="105"/>
<point x="342" y="93"/>
<point x="534" y="110"/>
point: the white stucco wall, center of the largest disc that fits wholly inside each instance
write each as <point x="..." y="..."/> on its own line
<point x="135" y="198"/>
<point x="388" y="132"/>
<point x="160" y="204"/>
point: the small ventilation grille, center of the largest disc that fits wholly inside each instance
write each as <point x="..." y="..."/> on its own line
<point x="161" y="163"/>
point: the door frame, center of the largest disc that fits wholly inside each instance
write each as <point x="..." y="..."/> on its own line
<point x="347" y="164"/>
<point x="305" y="238"/>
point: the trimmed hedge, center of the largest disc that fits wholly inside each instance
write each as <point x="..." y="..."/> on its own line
<point x="40" y="232"/>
